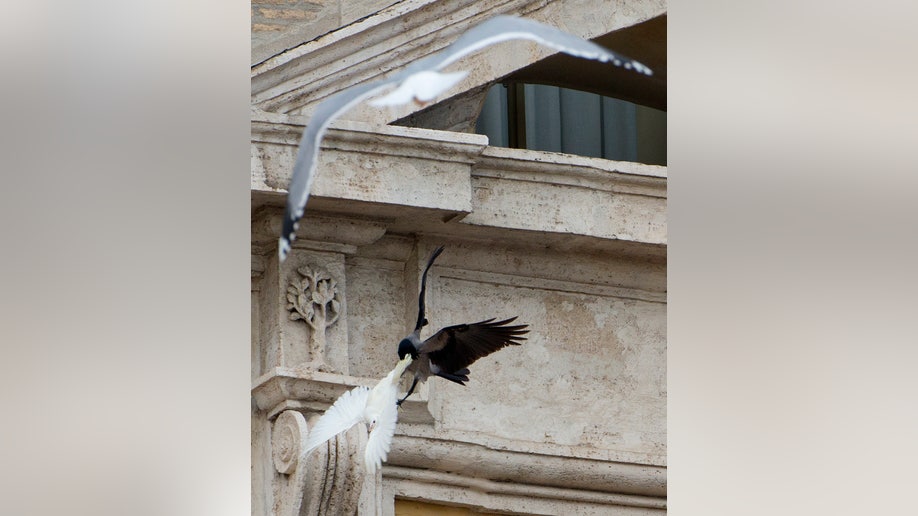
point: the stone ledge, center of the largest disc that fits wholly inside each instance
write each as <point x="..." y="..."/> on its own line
<point x="457" y="178"/>
<point x="419" y="484"/>
<point x="288" y="129"/>
<point x="361" y="163"/>
<point x="352" y="232"/>
<point x="622" y="177"/>
<point x="287" y="388"/>
<point x="562" y="193"/>
<point x="532" y="466"/>
<point x="504" y="444"/>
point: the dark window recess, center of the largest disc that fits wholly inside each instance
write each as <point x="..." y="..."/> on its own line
<point x="550" y="118"/>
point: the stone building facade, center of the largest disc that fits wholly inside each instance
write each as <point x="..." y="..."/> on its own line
<point x="571" y="422"/>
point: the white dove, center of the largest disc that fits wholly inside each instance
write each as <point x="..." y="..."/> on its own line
<point x="376" y="407"/>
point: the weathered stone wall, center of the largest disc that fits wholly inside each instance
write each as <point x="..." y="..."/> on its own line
<point x="571" y="422"/>
<point x="281" y="24"/>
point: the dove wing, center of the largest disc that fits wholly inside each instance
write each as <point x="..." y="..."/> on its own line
<point x="346" y="412"/>
<point x="381" y="437"/>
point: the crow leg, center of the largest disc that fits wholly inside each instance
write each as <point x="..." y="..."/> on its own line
<point x="413" y="384"/>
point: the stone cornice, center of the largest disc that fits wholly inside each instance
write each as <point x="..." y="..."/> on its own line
<point x="567" y="169"/>
<point x="532" y="466"/>
<point x="503" y="444"/>
<point x="537" y="499"/>
<point x="431" y="167"/>
<point x="454" y="174"/>
<point x="318" y="231"/>
<point x="549" y="284"/>
<point x="388" y="139"/>
<point x="496" y="162"/>
<point x="375" y="139"/>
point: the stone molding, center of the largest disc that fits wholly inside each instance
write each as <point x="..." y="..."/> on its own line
<point x="320" y="233"/>
<point x="539" y="191"/>
<point x="360" y="162"/>
<point x="621" y="177"/>
<point x="496" y="278"/>
<point x="385" y="140"/>
<point x="518" y="497"/>
<point x="527" y="463"/>
<point x="453" y="173"/>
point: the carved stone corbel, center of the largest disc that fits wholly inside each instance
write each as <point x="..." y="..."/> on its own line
<point x="315" y="299"/>
<point x="327" y="482"/>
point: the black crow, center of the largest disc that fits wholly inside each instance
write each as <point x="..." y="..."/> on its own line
<point x="450" y="351"/>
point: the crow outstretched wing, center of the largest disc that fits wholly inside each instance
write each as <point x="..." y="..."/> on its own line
<point x="422" y="320"/>
<point x="456" y="347"/>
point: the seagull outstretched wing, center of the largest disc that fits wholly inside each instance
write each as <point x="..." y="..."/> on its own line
<point x="495" y="30"/>
<point x="418" y="81"/>
<point x="505" y="28"/>
<point x="304" y="168"/>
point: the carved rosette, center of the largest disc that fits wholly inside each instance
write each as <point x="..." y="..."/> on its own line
<point x="287" y="439"/>
<point x="327" y="482"/>
<point x="314" y="298"/>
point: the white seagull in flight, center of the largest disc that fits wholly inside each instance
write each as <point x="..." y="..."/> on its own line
<point x="376" y="407"/>
<point x="421" y="82"/>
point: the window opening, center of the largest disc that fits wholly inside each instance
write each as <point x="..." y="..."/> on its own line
<point x="556" y="119"/>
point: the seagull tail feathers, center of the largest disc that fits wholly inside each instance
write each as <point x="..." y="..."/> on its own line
<point x="288" y="234"/>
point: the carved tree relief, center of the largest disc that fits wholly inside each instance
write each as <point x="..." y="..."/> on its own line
<point x="315" y="299"/>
